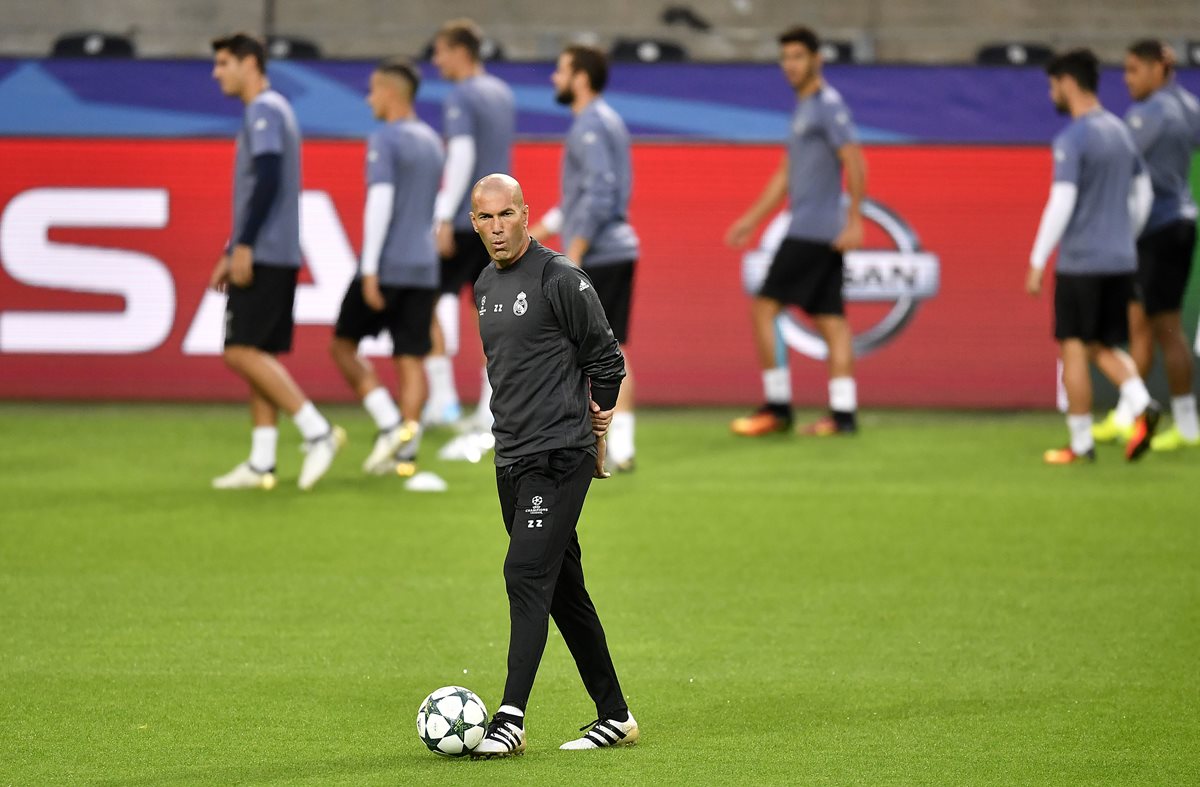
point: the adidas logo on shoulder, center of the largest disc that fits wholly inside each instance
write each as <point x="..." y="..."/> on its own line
<point x="583" y="285"/>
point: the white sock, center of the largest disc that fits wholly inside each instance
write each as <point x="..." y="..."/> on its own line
<point x="1081" y="433"/>
<point x="512" y="710"/>
<point x="440" y="373"/>
<point x="1060" y="392"/>
<point x="1123" y="415"/>
<point x="483" y="413"/>
<point x="1183" y="410"/>
<point x="381" y="407"/>
<point x="1135" y="396"/>
<point x="446" y="311"/>
<point x="310" y="422"/>
<point x="777" y="385"/>
<point x="263" y="440"/>
<point x="843" y="395"/>
<point x="620" y="437"/>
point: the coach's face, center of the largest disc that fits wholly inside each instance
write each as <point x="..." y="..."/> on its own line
<point x="230" y="72"/>
<point x="502" y="224"/>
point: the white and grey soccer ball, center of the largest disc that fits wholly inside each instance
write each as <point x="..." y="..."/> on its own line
<point x="452" y="721"/>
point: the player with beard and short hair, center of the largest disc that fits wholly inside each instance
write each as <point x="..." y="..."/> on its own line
<point x="1098" y="204"/>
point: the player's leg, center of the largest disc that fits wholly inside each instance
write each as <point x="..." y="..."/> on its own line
<point x="1169" y="289"/>
<point x="1078" y="383"/>
<point x="614" y="288"/>
<point x="1112" y="330"/>
<point x="258" y="471"/>
<point x="443" y="406"/>
<point x="409" y="311"/>
<point x="825" y="303"/>
<point x="544" y="496"/>
<point x="576" y="618"/>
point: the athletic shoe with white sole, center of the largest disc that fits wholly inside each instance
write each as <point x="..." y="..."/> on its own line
<point x="390" y="447"/>
<point x="320" y="454"/>
<point x="504" y="738"/>
<point x="468" y="447"/>
<point x="1171" y="440"/>
<point x="245" y="477"/>
<point x="605" y="733"/>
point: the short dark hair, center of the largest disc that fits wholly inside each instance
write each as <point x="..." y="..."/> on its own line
<point x="462" y="32"/>
<point x="1152" y="50"/>
<point x="242" y="46"/>
<point x="403" y="68"/>
<point x="1079" y="64"/>
<point x="592" y="61"/>
<point x="801" y="35"/>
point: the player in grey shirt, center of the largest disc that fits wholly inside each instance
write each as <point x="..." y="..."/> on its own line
<point x="398" y="278"/>
<point x="556" y="369"/>
<point x="592" y="214"/>
<point x="479" y="125"/>
<point x="808" y="268"/>
<point x="1165" y="123"/>
<point x="260" y="267"/>
<point x="1098" y="205"/>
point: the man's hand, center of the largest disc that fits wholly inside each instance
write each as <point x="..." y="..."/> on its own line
<point x="738" y="234"/>
<point x="601" y="420"/>
<point x="219" y="281"/>
<point x="372" y="294"/>
<point x="601" y="450"/>
<point x="1033" y="282"/>
<point x="851" y="236"/>
<point x="241" y="265"/>
<point x="445" y="239"/>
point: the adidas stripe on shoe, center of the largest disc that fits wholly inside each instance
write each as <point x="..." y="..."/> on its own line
<point x="605" y="733"/>
<point x="503" y="738"/>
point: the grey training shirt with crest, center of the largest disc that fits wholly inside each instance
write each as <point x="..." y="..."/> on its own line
<point x="821" y="126"/>
<point x="269" y="126"/>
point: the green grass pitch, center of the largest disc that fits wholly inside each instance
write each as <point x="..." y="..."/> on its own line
<point x="925" y="603"/>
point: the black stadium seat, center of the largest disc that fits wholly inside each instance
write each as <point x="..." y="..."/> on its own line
<point x="1014" y="53"/>
<point x="291" y="48"/>
<point x="92" y="43"/>
<point x="1190" y="56"/>
<point x="837" y="52"/>
<point x="647" y="50"/>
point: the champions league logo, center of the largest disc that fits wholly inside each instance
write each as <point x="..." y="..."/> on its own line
<point x="903" y="277"/>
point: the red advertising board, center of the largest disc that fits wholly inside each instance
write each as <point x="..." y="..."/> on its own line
<point x="106" y="247"/>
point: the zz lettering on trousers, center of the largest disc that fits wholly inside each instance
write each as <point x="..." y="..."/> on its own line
<point x="532" y="523"/>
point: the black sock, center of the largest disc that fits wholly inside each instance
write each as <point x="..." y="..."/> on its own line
<point x="516" y="721"/>
<point x="782" y="410"/>
<point x="844" y="419"/>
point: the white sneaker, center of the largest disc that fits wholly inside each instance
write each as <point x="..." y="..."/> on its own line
<point x="244" y="477"/>
<point x="502" y="739"/>
<point x="320" y="456"/>
<point x="441" y="413"/>
<point x="390" y="447"/>
<point x="605" y="733"/>
<point x="467" y="447"/>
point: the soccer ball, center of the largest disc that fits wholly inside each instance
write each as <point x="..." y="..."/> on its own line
<point x="451" y="721"/>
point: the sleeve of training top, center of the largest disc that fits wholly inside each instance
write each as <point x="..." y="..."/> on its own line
<point x="377" y="217"/>
<point x="1145" y="122"/>
<point x="838" y="124"/>
<point x="456" y="176"/>
<point x="268" y="168"/>
<point x="1055" y="218"/>
<point x="1141" y="199"/>
<point x="266" y="134"/>
<point x="601" y="191"/>
<point x="577" y="307"/>
<point x="1067" y="154"/>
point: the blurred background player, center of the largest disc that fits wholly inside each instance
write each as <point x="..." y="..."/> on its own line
<point x="1165" y="123"/>
<point x="397" y="283"/>
<point x="591" y="216"/>
<point x="480" y="124"/>
<point x="1098" y="204"/>
<point x="557" y="371"/>
<point x="808" y="268"/>
<point x="260" y="267"/>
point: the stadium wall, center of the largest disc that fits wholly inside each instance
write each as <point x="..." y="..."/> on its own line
<point x="106" y="245"/>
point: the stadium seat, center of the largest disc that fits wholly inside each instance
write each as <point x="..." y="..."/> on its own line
<point x="92" y="43"/>
<point x="291" y="48"/>
<point x="647" y="50"/>
<point x="838" y="52"/>
<point x="685" y="16"/>
<point x="1014" y="53"/>
<point x="1191" y="54"/>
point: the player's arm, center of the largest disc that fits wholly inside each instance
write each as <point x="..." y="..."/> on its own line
<point x="854" y="164"/>
<point x="1145" y="123"/>
<point x="772" y="194"/>
<point x="1141" y="198"/>
<point x="550" y="224"/>
<point x="601" y="193"/>
<point x="1064" y="192"/>
<point x="377" y="215"/>
<point x="268" y="169"/>
<point x="456" y="180"/>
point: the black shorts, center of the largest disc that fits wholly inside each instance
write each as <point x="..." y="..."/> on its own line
<point x="614" y="286"/>
<point x="407" y="314"/>
<point x="260" y="315"/>
<point x="469" y="260"/>
<point x="1164" y="263"/>
<point x="1093" y="308"/>
<point x="807" y="274"/>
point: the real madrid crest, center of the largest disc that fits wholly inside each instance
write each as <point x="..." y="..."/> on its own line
<point x="521" y="306"/>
